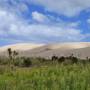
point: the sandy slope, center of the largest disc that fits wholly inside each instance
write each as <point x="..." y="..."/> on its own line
<point x="74" y="45"/>
<point x="21" y="46"/>
<point x="80" y="49"/>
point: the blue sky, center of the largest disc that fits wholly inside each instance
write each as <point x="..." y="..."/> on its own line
<point x="44" y="21"/>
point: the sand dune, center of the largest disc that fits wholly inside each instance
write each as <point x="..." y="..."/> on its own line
<point x="74" y="45"/>
<point x="79" y="49"/>
<point x="21" y="46"/>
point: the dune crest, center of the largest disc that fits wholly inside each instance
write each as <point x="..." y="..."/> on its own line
<point x="79" y="49"/>
<point x="74" y="45"/>
<point x="21" y="46"/>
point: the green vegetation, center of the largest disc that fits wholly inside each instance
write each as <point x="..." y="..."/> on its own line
<point x="53" y="77"/>
<point x="57" y="73"/>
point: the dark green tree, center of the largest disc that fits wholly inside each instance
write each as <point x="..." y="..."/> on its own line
<point x="61" y="59"/>
<point x="27" y="62"/>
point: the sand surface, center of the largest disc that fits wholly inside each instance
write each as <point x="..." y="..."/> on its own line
<point x="79" y="49"/>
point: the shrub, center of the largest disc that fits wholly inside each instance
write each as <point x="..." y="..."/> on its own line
<point x="54" y="58"/>
<point x="41" y="60"/>
<point x="17" y="62"/>
<point x="27" y="62"/>
<point x="74" y="59"/>
<point x="2" y="70"/>
<point x="61" y="59"/>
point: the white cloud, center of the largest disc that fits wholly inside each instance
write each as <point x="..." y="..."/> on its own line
<point x="73" y="24"/>
<point x="39" y="17"/>
<point x="41" y="33"/>
<point x="16" y="29"/>
<point x="88" y="21"/>
<point x="12" y="27"/>
<point x="14" y="6"/>
<point x="65" y="7"/>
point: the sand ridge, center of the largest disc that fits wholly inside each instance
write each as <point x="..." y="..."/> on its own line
<point x="21" y="46"/>
<point x="79" y="49"/>
<point x="74" y="45"/>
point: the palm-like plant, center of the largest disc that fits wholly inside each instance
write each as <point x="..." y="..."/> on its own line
<point x="10" y="53"/>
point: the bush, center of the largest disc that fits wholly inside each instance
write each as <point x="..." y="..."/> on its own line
<point x="27" y="62"/>
<point x="74" y="59"/>
<point x="41" y="60"/>
<point x="17" y="63"/>
<point x="61" y="59"/>
<point x="3" y="61"/>
<point x="54" y="58"/>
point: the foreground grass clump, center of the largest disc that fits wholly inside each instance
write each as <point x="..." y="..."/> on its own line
<point x="53" y="77"/>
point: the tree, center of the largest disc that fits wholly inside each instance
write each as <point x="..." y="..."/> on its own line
<point x="74" y="59"/>
<point x="9" y="50"/>
<point x="27" y="62"/>
<point x="54" y="58"/>
<point x="10" y="53"/>
<point x="15" y="53"/>
<point x="61" y="59"/>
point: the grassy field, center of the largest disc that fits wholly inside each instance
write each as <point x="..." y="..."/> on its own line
<point x="57" y="73"/>
<point x="47" y="77"/>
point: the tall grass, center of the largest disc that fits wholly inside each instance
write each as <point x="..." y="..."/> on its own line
<point x="53" y="77"/>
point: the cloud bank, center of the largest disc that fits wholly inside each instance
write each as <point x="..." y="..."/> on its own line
<point x="42" y="29"/>
<point x="65" y="7"/>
